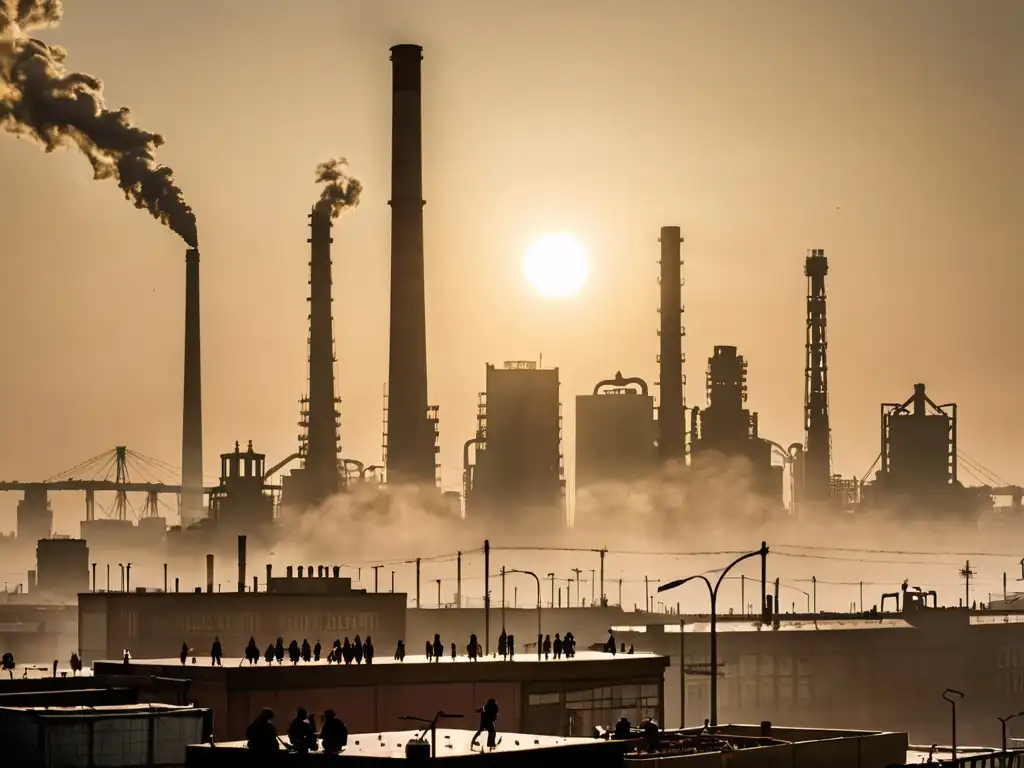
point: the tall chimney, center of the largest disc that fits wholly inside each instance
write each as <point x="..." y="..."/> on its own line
<point x="410" y="450"/>
<point x="209" y="574"/>
<point x="241" y="564"/>
<point x="671" y="400"/>
<point x="192" y="404"/>
<point x="320" y="416"/>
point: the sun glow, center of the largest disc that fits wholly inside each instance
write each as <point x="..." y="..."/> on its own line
<point x="556" y="266"/>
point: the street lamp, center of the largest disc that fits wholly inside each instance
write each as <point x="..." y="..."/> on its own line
<point x="540" y="636"/>
<point x="713" y="593"/>
<point x="1003" y="721"/>
<point x="956" y="696"/>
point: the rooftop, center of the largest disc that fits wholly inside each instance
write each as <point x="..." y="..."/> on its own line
<point x="785" y="625"/>
<point x="107" y="710"/>
<point x="388" y="660"/>
<point x="450" y="743"/>
<point x="39" y="671"/>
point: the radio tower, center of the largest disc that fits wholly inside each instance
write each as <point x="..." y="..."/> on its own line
<point x="817" y="459"/>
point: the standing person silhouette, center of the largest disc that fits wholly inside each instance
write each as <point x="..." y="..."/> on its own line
<point x="488" y="716"/>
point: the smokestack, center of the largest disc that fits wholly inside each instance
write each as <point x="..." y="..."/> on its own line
<point x="270" y="573"/>
<point x="192" y="404"/>
<point x="410" y="432"/>
<point x="672" y="399"/>
<point x="209" y="574"/>
<point x="241" y="564"/>
<point x="321" y="416"/>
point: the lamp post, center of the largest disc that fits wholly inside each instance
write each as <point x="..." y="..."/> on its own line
<point x="552" y="577"/>
<point x="953" y="696"/>
<point x="1002" y="722"/>
<point x="713" y="593"/>
<point x="540" y="636"/>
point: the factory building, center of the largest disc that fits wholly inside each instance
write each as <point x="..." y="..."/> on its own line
<point x="563" y="697"/>
<point x="35" y="514"/>
<point x="918" y="469"/>
<point x="320" y="607"/>
<point x="518" y="468"/>
<point x="725" y="428"/>
<point x="616" y="434"/>
<point x="62" y="567"/>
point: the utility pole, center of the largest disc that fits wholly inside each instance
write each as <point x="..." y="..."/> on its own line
<point x="593" y="587"/>
<point x="604" y="597"/>
<point x="814" y="594"/>
<point x="552" y="577"/>
<point x="967" y="574"/>
<point x="503" y="598"/>
<point x="458" y="582"/>
<point x="417" y="582"/>
<point x="620" y="593"/>
<point x="376" y="571"/>
<point x="577" y="571"/>
<point x="647" y="592"/>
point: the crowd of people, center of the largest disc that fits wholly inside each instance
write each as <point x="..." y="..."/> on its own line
<point x="262" y="734"/>
<point x="359" y="651"/>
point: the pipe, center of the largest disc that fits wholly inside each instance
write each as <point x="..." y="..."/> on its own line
<point x="209" y="574"/>
<point x="619" y="383"/>
<point x="176" y="585"/>
<point x="337" y="572"/>
<point x="301" y="570"/>
<point x="165" y="576"/>
<point x="410" y="434"/>
<point x="289" y="572"/>
<point x="241" y="563"/>
<point x="270" y="573"/>
<point x="192" y="399"/>
<point x="487" y="597"/>
<point x="672" y="402"/>
<point x="255" y="584"/>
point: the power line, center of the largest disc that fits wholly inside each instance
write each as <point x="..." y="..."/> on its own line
<point x="923" y="553"/>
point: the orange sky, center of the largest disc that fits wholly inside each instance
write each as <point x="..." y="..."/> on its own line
<point x="887" y="134"/>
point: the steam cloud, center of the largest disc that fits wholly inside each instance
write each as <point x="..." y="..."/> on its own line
<point x="41" y="100"/>
<point x="342" y="191"/>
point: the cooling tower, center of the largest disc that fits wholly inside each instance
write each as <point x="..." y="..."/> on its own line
<point x="671" y="402"/>
<point x="410" y="432"/>
<point x="192" y="508"/>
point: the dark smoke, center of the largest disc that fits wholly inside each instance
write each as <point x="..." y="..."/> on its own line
<point x="41" y="100"/>
<point x="342" y="191"/>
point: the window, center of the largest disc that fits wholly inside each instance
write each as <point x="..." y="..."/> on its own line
<point x="540" y="699"/>
<point x="748" y="665"/>
<point x="785" y="691"/>
<point x="649" y="690"/>
<point x="785" y="665"/>
<point x="748" y="694"/>
<point x="803" y="692"/>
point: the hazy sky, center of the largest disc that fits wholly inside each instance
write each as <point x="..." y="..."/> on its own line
<point x="887" y="133"/>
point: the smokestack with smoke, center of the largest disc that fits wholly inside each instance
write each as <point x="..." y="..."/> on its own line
<point x="341" y="190"/>
<point x="41" y="100"/>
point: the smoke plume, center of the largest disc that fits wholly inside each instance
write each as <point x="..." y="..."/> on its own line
<point x="41" y="100"/>
<point x="342" y="191"/>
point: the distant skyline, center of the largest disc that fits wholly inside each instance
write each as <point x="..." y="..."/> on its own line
<point x="886" y="133"/>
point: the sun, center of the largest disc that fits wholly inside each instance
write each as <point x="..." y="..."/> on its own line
<point x="556" y="266"/>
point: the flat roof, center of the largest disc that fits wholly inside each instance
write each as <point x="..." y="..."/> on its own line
<point x="39" y="671"/>
<point x="450" y="743"/>
<point x="103" y="710"/>
<point x="203" y="661"/>
<point x="795" y="625"/>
